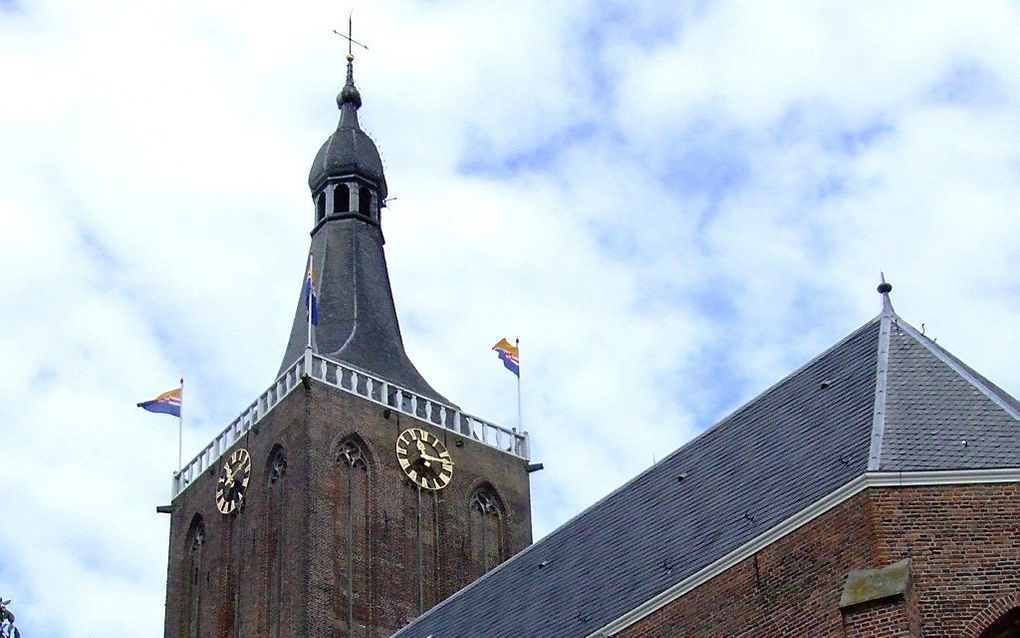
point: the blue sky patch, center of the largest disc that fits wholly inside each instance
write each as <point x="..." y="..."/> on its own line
<point x="968" y="84"/>
<point x="480" y="159"/>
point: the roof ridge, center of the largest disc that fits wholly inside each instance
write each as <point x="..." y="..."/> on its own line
<point x="957" y="366"/>
<point x="881" y="383"/>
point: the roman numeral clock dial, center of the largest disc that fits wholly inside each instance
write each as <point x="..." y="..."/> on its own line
<point x="424" y="459"/>
<point x="232" y="482"/>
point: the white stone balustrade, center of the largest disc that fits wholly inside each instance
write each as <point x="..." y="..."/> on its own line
<point x="507" y="440"/>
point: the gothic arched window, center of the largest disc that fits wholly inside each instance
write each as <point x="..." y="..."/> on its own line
<point x="486" y="515"/>
<point x="353" y="559"/>
<point x="192" y="574"/>
<point x="276" y="471"/>
<point x="277" y="466"/>
<point x="351" y="454"/>
<point x="342" y="198"/>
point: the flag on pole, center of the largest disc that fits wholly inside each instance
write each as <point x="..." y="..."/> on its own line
<point x="509" y="355"/>
<point x="167" y="403"/>
<point x="311" y="296"/>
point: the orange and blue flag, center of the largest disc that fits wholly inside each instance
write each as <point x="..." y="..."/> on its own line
<point x="167" y="403"/>
<point x="510" y="355"/>
<point x="311" y="296"/>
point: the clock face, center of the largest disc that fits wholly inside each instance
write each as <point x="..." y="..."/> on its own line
<point x="232" y="482"/>
<point x="424" y="459"/>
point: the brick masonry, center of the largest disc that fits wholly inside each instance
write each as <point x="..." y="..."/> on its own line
<point x="237" y="587"/>
<point x="963" y="542"/>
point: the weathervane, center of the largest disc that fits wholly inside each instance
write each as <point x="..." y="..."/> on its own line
<point x="349" y="36"/>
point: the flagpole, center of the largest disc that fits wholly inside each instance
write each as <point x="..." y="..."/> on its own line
<point x="180" y="432"/>
<point x="520" y="425"/>
<point x="308" y="296"/>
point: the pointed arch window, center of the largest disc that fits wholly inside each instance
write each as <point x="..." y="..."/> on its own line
<point x="192" y="573"/>
<point x="276" y="472"/>
<point x="486" y="516"/>
<point x="277" y="466"/>
<point x="341" y="198"/>
<point x="353" y="515"/>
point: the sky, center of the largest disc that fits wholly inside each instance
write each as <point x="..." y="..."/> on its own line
<point x="673" y="205"/>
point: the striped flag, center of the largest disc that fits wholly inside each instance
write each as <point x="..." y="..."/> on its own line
<point x="510" y="355"/>
<point x="167" y="403"/>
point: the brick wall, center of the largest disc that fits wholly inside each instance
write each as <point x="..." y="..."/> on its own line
<point x="886" y="618"/>
<point x="237" y="561"/>
<point x="963" y="541"/>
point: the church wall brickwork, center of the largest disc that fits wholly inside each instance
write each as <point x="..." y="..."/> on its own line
<point x="880" y="619"/>
<point x="964" y="544"/>
<point x="242" y="597"/>
<point x="392" y="522"/>
<point x="963" y="541"/>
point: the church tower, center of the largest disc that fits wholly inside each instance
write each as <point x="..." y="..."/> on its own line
<point x="350" y="496"/>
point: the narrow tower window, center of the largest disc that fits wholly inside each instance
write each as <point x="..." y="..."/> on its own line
<point x="342" y="198"/>
<point x="365" y="201"/>
<point x="320" y="207"/>
<point x="354" y="543"/>
<point x="193" y="578"/>
<point x="486" y="529"/>
<point x="276" y="471"/>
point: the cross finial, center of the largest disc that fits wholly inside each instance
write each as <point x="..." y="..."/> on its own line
<point x="349" y="36"/>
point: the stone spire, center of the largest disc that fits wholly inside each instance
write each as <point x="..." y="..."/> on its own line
<point x="357" y="320"/>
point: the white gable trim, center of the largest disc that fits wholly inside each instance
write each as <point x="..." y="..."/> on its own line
<point x="813" y="511"/>
<point x="881" y="385"/>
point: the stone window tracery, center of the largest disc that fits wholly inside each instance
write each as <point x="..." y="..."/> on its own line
<point x="486" y="529"/>
<point x="353" y="510"/>
<point x="351" y="454"/>
<point x="485" y="502"/>
<point x="277" y="466"/>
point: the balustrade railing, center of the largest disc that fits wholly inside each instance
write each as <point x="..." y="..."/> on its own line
<point x="357" y="382"/>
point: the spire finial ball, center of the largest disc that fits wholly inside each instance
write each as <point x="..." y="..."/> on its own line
<point x="350" y="57"/>
<point x="884" y="288"/>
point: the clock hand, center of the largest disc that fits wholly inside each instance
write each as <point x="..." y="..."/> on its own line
<point x="230" y="474"/>
<point x="436" y="459"/>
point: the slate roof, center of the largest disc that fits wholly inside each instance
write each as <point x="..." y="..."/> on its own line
<point x="884" y="395"/>
<point x="357" y="318"/>
<point x="349" y="150"/>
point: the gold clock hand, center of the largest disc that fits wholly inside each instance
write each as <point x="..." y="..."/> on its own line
<point x="436" y="459"/>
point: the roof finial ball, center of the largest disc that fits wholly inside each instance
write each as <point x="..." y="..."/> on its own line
<point x="884" y="289"/>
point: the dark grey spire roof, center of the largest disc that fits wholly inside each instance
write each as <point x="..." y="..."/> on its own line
<point x="357" y="319"/>
<point x="348" y="151"/>
<point x="885" y="395"/>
